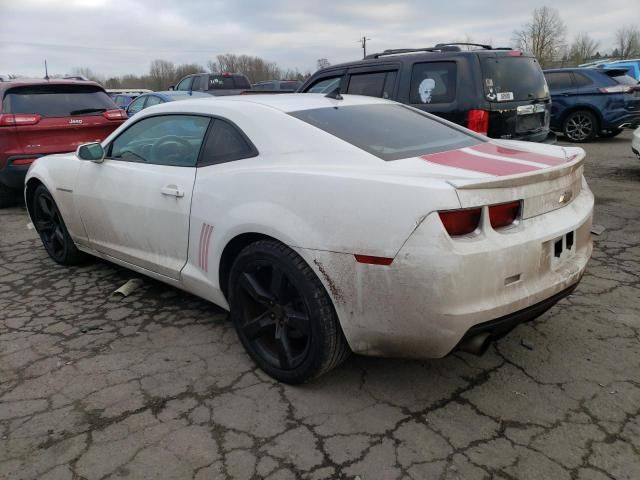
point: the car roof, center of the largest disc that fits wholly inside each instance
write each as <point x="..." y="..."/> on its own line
<point x="39" y="81"/>
<point x="288" y="102"/>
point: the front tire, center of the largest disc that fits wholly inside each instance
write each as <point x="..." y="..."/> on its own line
<point x="283" y="314"/>
<point x="580" y="126"/>
<point x="48" y="222"/>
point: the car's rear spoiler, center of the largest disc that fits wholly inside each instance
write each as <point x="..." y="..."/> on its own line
<point x="575" y="159"/>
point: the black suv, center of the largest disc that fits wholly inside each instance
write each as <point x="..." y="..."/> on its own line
<point x="498" y="92"/>
<point x="214" y="83"/>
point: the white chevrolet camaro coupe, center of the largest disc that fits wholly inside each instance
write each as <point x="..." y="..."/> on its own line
<point x="326" y="224"/>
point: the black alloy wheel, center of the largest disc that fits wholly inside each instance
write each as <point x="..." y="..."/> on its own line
<point x="52" y="230"/>
<point x="283" y="315"/>
<point x="580" y="126"/>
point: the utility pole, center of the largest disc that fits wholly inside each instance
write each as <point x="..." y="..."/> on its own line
<point x="363" y="43"/>
<point x="46" y="70"/>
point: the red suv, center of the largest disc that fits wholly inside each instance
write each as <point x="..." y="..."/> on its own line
<point x="40" y="117"/>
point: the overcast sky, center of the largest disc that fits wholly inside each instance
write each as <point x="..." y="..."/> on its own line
<point x="114" y="37"/>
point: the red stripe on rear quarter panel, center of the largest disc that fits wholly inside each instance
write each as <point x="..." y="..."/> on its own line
<point x="493" y="149"/>
<point x="460" y="159"/>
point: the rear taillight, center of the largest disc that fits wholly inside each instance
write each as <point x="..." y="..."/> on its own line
<point x="616" y="89"/>
<point x="504" y="214"/>
<point x="460" y="222"/>
<point x="478" y="121"/>
<point x="515" y="53"/>
<point x="115" y="115"/>
<point x="11" y="119"/>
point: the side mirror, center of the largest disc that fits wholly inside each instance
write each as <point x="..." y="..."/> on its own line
<point x="172" y="87"/>
<point x="91" y="151"/>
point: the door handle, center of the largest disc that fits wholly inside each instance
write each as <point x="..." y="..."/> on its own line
<point x="172" y="190"/>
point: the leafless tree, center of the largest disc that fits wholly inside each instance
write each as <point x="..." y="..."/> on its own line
<point x="88" y="74"/>
<point x="543" y="36"/>
<point x="185" y="69"/>
<point x="628" y="41"/>
<point x="162" y="74"/>
<point x="323" y="63"/>
<point x="583" y="48"/>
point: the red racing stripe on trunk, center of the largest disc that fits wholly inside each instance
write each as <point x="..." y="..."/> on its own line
<point x="493" y="149"/>
<point x="465" y="161"/>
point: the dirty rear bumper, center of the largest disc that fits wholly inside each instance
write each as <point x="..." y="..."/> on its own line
<point x="438" y="289"/>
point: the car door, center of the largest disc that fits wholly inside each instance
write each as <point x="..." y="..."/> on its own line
<point x="562" y="90"/>
<point x="135" y="205"/>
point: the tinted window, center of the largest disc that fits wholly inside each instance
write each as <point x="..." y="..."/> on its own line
<point x="582" y="80"/>
<point x="517" y="78"/>
<point x="163" y="140"/>
<point x="185" y="85"/>
<point x="58" y="100"/>
<point x="196" y="83"/>
<point x="326" y="85"/>
<point x="370" y="84"/>
<point x="293" y="85"/>
<point x="225" y="144"/>
<point x="389" y="84"/>
<point x="433" y="82"/>
<point x="390" y="132"/>
<point x="559" y="81"/>
<point x="228" y="82"/>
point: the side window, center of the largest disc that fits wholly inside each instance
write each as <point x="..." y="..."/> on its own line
<point x="369" y="84"/>
<point x="162" y="140"/>
<point x="226" y="143"/>
<point x="152" y="100"/>
<point x="433" y="82"/>
<point x="196" y="83"/>
<point x="559" y="81"/>
<point x="185" y="85"/>
<point x="582" y="80"/>
<point x="389" y="84"/>
<point x="136" y="105"/>
<point x="325" y="85"/>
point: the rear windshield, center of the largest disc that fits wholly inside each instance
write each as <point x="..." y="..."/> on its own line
<point x="621" y="77"/>
<point x="507" y="78"/>
<point x="389" y="132"/>
<point x="228" y="82"/>
<point x="57" y="100"/>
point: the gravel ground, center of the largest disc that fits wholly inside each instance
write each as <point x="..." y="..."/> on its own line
<point x="156" y="385"/>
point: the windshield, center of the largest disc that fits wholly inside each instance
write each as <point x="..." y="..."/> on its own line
<point x="58" y="100"/>
<point x="507" y="78"/>
<point x="388" y="131"/>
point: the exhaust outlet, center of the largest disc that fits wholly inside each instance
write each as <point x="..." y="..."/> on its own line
<point x="477" y="344"/>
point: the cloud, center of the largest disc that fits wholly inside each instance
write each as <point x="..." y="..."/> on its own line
<point x="123" y="36"/>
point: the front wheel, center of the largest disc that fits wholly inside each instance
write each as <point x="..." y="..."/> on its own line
<point x="49" y="224"/>
<point x="283" y="314"/>
<point x="580" y="126"/>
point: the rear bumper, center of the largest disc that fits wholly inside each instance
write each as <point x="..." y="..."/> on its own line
<point x="625" y="120"/>
<point x="12" y="175"/>
<point x="438" y="289"/>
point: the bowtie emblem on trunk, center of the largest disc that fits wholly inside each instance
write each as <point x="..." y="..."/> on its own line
<point x="565" y="197"/>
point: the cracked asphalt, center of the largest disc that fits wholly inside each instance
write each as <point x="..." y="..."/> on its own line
<point x="156" y="385"/>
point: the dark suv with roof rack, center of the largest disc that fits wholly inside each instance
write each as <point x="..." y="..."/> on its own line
<point x="498" y="92"/>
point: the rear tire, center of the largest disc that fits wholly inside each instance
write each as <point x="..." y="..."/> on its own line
<point x="610" y="133"/>
<point x="49" y="224"/>
<point x="580" y="126"/>
<point x="283" y="314"/>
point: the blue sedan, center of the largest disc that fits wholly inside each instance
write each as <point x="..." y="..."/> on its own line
<point x="155" y="98"/>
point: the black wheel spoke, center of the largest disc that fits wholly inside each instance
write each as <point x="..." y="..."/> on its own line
<point x="285" y="355"/>
<point x="251" y="285"/>
<point x="58" y="235"/>
<point x="278" y="284"/>
<point x="259" y="326"/>
<point x="298" y="321"/>
<point x="45" y="207"/>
